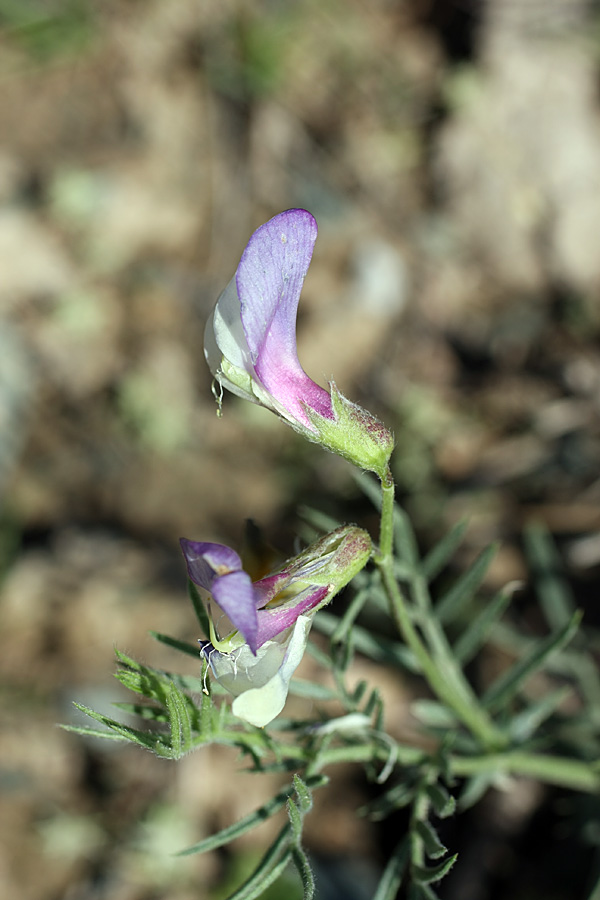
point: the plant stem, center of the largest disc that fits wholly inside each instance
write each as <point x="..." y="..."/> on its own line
<point x="449" y="683"/>
<point x="386" y="528"/>
<point x="568" y="773"/>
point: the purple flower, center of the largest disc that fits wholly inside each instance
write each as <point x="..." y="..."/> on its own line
<point x="246" y="606"/>
<point x="250" y="345"/>
<point x="250" y="339"/>
<point x="259" y="630"/>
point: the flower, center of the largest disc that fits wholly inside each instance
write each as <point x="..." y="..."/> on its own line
<point x="250" y="345"/>
<point x="258" y="631"/>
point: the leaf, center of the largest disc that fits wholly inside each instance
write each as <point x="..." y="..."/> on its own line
<point x="320" y="521"/>
<point x="433" y="714"/>
<point x="465" y="587"/>
<point x="250" y="821"/>
<point x="442" y="803"/>
<point x="299" y="687"/>
<point x="295" y="820"/>
<point x="304" y="794"/>
<point x="475" y="788"/>
<point x="182" y="646"/>
<point x="431" y="874"/>
<point x="152" y="742"/>
<point x="476" y="633"/>
<point x="444" y="550"/>
<point x="141" y="679"/>
<point x="523" y="725"/>
<point x="347" y="621"/>
<point x="431" y="843"/>
<point x="393" y="873"/>
<point x="369" y="487"/>
<point x="359" y="692"/>
<point x="269" y="869"/>
<point x="555" y="596"/>
<point x="393" y="799"/>
<point x="506" y="686"/>
<point x="179" y="720"/>
<point x="300" y="860"/>
<point x="199" y="607"/>
<point x="143" y="711"/>
<point x="93" y="732"/>
<point x="378" y="648"/>
<point x="405" y="539"/>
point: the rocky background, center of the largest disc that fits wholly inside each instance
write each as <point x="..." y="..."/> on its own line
<point x="450" y="150"/>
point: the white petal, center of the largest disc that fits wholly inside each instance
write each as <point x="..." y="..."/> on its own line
<point x="261" y="705"/>
<point x="211" y="348"/>
<point x="228" y="331"/>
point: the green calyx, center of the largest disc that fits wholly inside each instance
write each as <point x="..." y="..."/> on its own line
<point x="354" y="434"/>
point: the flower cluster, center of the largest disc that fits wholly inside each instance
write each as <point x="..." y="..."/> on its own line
<point x="259" y="629"/>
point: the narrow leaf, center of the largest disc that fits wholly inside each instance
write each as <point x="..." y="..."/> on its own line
<point x="320" y="521"/>
<point x="443" y="803"/>
<point x="476" y="633"/>
<point x="555" y="596"/>
<point x="506" y="686"/>
<point x="300" y="860"/>
<point x="431" y="843"/>
<point x="199" y="607"/>
<point x="465" y="587"/>
<point x="431" y="874"/>
<point x="433" y="714"/>
<point x="395" y="798"/>
<point x="269" y="869"/>
<point x="378" y="648"/>
<point x="393" y="873"/>
<point x="406" y="541"/>
<point x="347" y="621"/>
<point x="359" y="692"/>
<point x="444" y="550"/>
<point x="304" y="795"/>
<point x="179" y="720"/>
<point x="149" y="741"/>
<point x="143" y="711"/>
<point x="295" y="820"/>
<point x="249" y="822"/>
<point x="182" y="646"/>
<point x="93" y="732"/>
<point x="474" y="790"/>
<point x="526" y="723"/>
<point x="369" y="487"/>
<point x="311" y="690"/>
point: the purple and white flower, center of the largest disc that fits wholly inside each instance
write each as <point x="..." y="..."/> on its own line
<point x="250" y="345"/>
<point x="259" y="629"/>
<point x="250" y="338"/>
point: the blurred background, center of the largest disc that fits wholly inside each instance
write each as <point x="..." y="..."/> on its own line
<point x="450" y="151"/>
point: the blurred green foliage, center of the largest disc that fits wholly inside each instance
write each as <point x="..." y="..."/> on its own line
<point x="48" y="29"/>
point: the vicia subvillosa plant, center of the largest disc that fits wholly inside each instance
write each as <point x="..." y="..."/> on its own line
<point x="256" y="630"/>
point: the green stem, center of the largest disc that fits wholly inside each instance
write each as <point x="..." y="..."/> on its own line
<point x="567" y="773"/>
<point x="447" y="683"/>
<point x="386" y="530"/>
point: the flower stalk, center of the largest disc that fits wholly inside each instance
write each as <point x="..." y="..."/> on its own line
<point x="444" y="677"/>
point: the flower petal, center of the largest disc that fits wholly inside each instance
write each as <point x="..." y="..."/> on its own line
<point x="269" y="280"/>
<point x="224" y="335"/>
<point x="272" y="621"/>
<point x="261" y="705"/>
<point x="235" y="595"/>
<point x="206" y="561"/>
